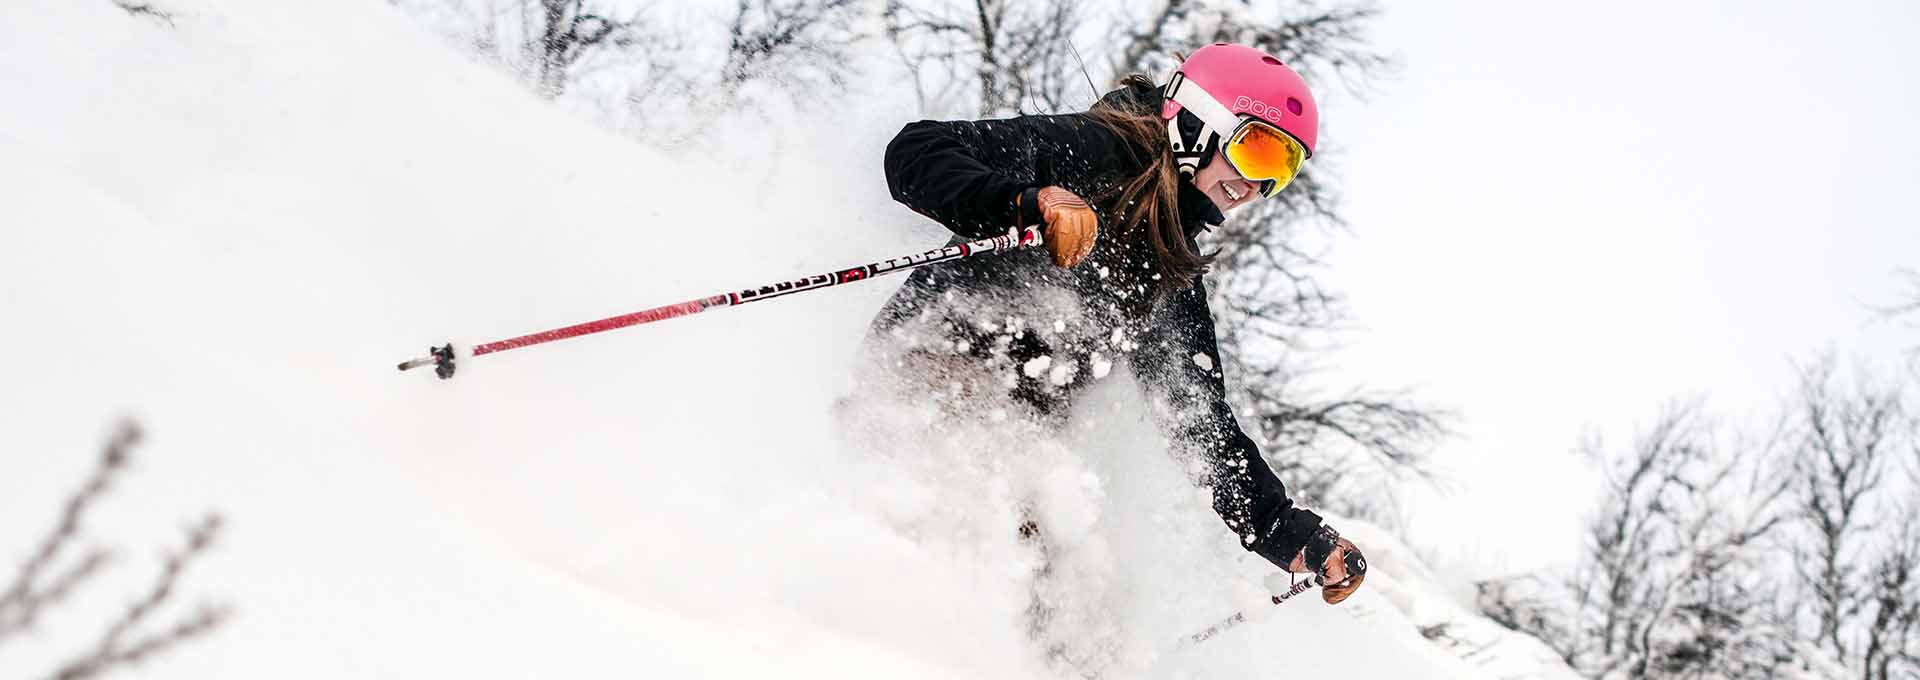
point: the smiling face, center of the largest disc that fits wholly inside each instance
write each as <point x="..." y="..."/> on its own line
<point x="1227" y="188"/>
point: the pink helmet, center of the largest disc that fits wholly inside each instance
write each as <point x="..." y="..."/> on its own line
<point x="1236" y="79"/>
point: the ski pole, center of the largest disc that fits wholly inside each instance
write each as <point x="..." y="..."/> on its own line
<point x="442" y="358"/>
<point x="1241" y="617"/>
<point x="1356" y="566"/>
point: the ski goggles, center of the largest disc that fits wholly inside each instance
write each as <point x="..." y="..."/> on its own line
<point x="1265" y="154"/>
<point x="1260" y="151"/>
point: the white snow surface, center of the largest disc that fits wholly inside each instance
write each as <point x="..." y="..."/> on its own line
<point x="233" y="225"/>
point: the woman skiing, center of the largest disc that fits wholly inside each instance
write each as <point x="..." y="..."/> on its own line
<point x="1121" y="191"/>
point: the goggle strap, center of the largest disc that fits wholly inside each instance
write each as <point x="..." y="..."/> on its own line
<point x="1193" y="98"/>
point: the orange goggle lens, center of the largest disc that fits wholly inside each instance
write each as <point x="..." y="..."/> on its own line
<point x="1262" y="153"/>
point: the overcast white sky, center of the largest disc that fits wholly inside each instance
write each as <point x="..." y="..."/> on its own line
<point x="1568" y="214"/>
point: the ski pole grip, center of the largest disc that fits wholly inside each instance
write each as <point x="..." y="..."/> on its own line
<point x="440" y="358"/>
<point x="411" y="364"/>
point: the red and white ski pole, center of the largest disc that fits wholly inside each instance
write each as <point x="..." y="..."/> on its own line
<point x="1356" y="567"/>
<point x="1241" y="617"/>
<point x="442" y="358"/>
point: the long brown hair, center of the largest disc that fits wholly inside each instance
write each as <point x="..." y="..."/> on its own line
<point x="1150" y="201"/>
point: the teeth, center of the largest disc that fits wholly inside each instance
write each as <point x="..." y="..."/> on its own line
<point x="1231" y="194"/>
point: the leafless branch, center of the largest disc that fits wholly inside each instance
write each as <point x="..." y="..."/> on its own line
<point x="120" y="645"/>
<point x="144" y="9"/>
<point x="1017" y="55"/>
<point x="1147" y="39"/>
<point x="1527" y="605"/>
<point x="553" y="44"/>
<point x="571" y="30"/>
<point x="26" y="596"/>
<point x="1324" y="44"/>
<point x="1908" y="311"/>
<point x="41" y="584"/>
<point x="1892" y="645"/>
<point x="1911" y="303"/>
<point x="804" y="42"/>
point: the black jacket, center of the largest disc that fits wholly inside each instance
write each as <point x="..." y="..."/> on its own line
<point x="1005" y="311"/>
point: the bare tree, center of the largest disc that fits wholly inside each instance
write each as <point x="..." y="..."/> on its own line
<point x="569" y="30"/>
<point x="1859" y="577"/>
<point x="1018" y="56"/>
<point x="1844" y="441"/>
<point x="1892" y="645"/>
<point x="1674" y="581"/>
<point x="1312" y="443"/>
<point x="628" y="62"/>
<point x="1534" y="605"/>
<point x="1686" y="572"/>
<point x="48" y="578"/>
<point x="548" y="43"/>
<point x="807" y="42"/>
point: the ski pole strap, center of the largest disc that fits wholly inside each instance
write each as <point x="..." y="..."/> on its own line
<point x="442" y="358"/>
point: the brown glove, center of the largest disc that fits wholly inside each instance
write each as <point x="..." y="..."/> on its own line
<point x="1071" y="225"/>
<point x="1341" y="570"/>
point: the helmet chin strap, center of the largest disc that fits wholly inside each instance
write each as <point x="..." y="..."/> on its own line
<point x="1193" y="143"/>
<point x="1198" y="129"/>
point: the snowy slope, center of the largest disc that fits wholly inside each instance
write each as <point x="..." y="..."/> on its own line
<point x="233" y="225"/>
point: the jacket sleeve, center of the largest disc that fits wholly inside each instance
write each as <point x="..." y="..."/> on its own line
<point x="971" y="175"/>
<point x="1178" y="364"/>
